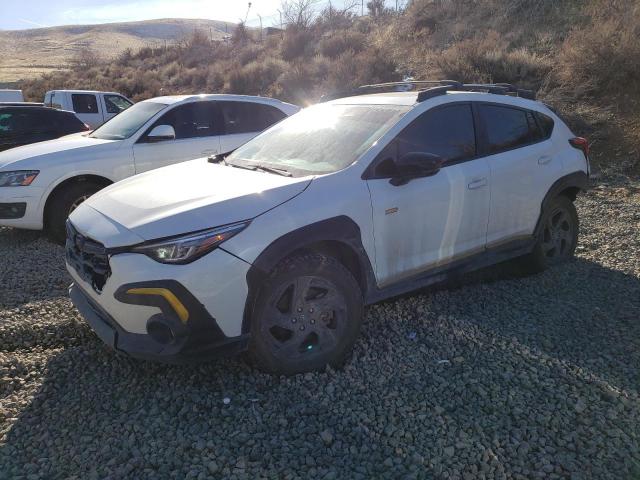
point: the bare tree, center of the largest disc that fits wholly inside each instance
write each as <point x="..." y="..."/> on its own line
<point x="85" y="58"/>
<point x="298" y="12"/>
<point x="376" y="8"/>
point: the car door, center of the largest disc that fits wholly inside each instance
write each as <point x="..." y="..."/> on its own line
<point x="87" y="109"/>
<point x="197" y="126"/>
<point x="113" y="105"/>
<point x="434" y="220"/>
<point x="245" y="120"/>
<point x="523" y="168"/>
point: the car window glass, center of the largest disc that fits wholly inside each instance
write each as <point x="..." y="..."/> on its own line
<point x="197" y="119"/>
<point x="546" y="124"/>
<point x="507" y="128"/>
<point x="115" y="103"/>
<point x="69" y="123"/>
<point x="7" y="122"/>
<point x="249" y="117"/>
<point x="446" y="131"/>
<point x="84" y="103"/>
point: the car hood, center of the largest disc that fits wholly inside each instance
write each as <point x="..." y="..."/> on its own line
<point x="187" y="197"/>
<point x="37" y="152"/>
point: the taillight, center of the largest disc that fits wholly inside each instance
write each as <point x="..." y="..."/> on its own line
<point x="581" y="144"/>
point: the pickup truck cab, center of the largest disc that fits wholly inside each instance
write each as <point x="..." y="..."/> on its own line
<point x="93" y="108"/>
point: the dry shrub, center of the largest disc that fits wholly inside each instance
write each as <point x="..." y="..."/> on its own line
<point x="256" y="77"/>
<point x="336" y="44"/>
<point x="603" y="57"/>
<point x="296" y="43"/>
<point x="488" y="59"/>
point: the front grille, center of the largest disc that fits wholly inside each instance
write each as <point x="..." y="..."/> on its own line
<point x="87" y="257"/>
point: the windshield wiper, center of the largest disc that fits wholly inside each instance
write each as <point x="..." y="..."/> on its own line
<point x="277" y="171"/>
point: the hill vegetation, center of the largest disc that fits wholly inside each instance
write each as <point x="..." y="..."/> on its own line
<point x="580" y="55"/>
<point x="29" y="53"/>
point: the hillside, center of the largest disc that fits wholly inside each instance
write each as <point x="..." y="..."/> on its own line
<point x="581" y="56"/>
<point x="28" y="53"/>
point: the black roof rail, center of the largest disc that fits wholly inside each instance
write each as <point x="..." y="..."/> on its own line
<point x="372" y="88"/>
<point x="435" y="88"/>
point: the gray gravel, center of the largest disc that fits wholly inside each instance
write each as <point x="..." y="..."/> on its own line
<point x="498" y="377"/>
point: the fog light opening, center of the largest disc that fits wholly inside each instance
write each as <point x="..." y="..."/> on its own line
<point x="160" y="331"/>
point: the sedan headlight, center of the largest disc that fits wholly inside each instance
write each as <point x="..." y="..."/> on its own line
<point x="18" y="178"/>
<point x="187" y="248"/>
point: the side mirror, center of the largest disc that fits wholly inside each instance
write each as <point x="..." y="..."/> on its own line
<point x="160" y="133"/>
<point x="415" y="165"/>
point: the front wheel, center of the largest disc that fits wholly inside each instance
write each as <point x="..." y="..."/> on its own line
<point x="558" y="236"/>
<point x="307" y="315"/>
<point x="63" y="204"/>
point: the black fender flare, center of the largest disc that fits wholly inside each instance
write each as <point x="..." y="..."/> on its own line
<point x="341" y="229"/>
<point x="579" y="180"/>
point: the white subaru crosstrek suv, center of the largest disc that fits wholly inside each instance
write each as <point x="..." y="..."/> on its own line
<point x="278" y="246"/>
<point x="40" y="184"/>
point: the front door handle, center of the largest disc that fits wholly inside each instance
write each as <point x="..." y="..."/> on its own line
<point x="477" y="183"/>
<point x="544" y="160"/>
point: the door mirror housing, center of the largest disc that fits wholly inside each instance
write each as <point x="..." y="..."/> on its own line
<point x="415" y="165"/>
<point x="161" y="133"/>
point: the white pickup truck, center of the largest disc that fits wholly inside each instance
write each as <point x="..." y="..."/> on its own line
<point x="93" y="108"/>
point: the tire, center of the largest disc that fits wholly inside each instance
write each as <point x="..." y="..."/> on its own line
<point x="63" y="203"/>
<point x="558" y="236"/>
<point x="307" y="315"/>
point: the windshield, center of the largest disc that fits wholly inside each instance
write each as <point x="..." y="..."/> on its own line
<point x="128" y="122"/>
<point x="320" y="139"/>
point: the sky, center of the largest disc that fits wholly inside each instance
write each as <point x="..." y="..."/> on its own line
<point x="18" y="15"/>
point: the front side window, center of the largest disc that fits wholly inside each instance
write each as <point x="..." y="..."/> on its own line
<point x="84" y="103"/>
<point x="320" y="139"/>
<point x="507" y="128"/>
<point x="248" y="117"/>
<point x="445" y="131"/>
<point x="128" y="122"/>
<point x="192" y="120"/>
<point x="116" y="103"/>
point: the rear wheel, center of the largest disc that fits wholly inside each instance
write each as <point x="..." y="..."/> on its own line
<point x="307" y="315"/>
<point x="558" y="237"/>
<point x="63" y="203"/>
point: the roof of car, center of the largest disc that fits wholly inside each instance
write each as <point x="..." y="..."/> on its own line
<point x="171" y="99"/>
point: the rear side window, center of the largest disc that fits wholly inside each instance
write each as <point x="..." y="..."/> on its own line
<point x="69" y="123"/>
<point x="84" y="103"/>
<point x="247" y="117"/>
<point x="546" y="124"/>
<point x="446" y="131"/>
<point x="116" y="103"/>
<point x="507" y="128"/>
<point x="8" y="122"/>
<point x="192" y="120"/>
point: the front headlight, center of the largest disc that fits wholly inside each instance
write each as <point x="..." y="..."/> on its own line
<point x="18" y="178"/>
<point x="187" y="248"/>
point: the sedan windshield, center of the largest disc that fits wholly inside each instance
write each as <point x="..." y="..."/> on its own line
<point x="321" y="139"/>
<point x="128" y="122"/>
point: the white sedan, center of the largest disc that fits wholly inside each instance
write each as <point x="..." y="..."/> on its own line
<point x="41" y="184"/>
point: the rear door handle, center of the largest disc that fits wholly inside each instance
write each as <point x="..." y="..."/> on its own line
<point x="478" y="183"/>
<point x="544" y="160"/>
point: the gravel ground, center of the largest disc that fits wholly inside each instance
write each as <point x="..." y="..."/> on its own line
<point x="498" y="377"/>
